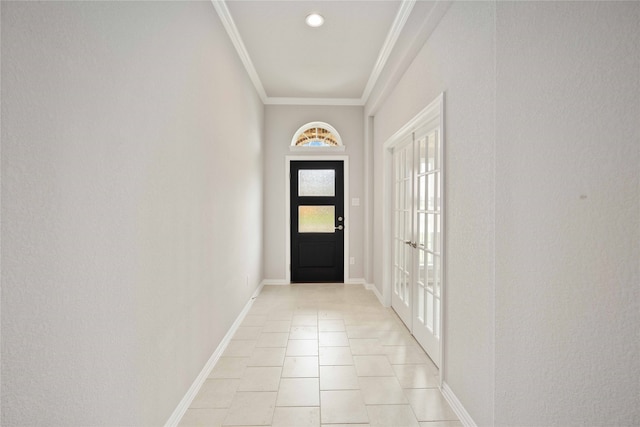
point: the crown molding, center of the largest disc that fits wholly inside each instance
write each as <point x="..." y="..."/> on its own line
<point x="348" y="102"/>
<point x="227" y="21"/>
<point x="392" y="37"/>
<point x="394" y="32"/>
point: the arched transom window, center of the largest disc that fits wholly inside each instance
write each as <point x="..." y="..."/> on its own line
<point x="316" y="134"/>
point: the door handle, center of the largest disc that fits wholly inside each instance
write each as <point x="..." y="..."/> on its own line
<point x="410" y="243"/>
<point x="340" y="227"/>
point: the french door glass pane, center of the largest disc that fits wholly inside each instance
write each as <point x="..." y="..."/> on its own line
<point x="316" y="219"/>
<point x="429" y="314"/>
<point x="422" y="193"/>
<point x="316" y="182"/>
<point x="421" y="304"/>
<point x="422" y="155"/>
<point x="431" y="152"/>
<point x="431" y="185"/>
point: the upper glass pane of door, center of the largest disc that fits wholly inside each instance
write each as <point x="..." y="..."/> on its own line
<point x="316" y="183"/>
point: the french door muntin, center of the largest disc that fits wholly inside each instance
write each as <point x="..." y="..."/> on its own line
<point x="417" y="268"/>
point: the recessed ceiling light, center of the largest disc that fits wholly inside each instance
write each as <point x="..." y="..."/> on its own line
<point x="314" y="20"/>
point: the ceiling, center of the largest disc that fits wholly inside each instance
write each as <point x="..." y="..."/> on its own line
<point x="337" y="63"/>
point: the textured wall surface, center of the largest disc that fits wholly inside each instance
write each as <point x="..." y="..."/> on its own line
<point x="568" y="213"/>
<point x="131" y="183"/>
<point x="458" y="60"/>
<point x="542" y="136"/>
<point x="281" y="122"/>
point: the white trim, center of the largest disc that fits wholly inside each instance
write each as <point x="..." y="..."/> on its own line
<point x="433" y="111"/>
<point x="324" y="149"/>
<point x="371" y="287"/>
<point x="184" y="404"/>
<point x="457" y="406"/>
<point x="392" y="37"/>
<point x="227" y="21"/>
<point x="333" y="102"/>
<point x="274" y="282"/>
<point x="287" y="216"/>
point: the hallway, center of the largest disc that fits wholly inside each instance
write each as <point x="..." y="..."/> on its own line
<point x="310" y="355"/>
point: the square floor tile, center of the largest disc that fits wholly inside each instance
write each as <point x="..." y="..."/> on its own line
<point x="251" y="409"/>
<point x="296" y="417"/>
<point x="216" y="393"/>
<point x="362" y="331"/>
<point x="382" y="391"/>
<point x="300" y="367"/>
<point x="302" y="348"/>
<point x="391" y="415"/>
<point x="373" y="366"/>
<point x="304" y="320"/>
<point x="331" y="325"/>
<point x="260" y="379"/>
<point x="267" y="357"/>
<point x="299" y="392"/>
<point x="203" y="417"/>
<point x="247" y="333"/>
<point x="333" y="339"/>
<point x="273" y="339"/>
<point x="303" y="333"/>
<point x="335" y="356"/>
<point x="254" y="320"/>
<point x="406" y="355"/>
<point x="229" y="367"/>
<point x="416" y="376"/>
<point x="440" y="424"/>
<point x="338" y="378"/>
<point x="429" y="405"/>
<point x="366" y="346"/>
<point x="342" y="406"/>
<point x="239" y="348"/>
<point x="276" y="326"/>
<point x="396" y="338"/>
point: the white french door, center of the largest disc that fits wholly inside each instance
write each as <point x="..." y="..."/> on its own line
<point x="417" y="249"/>
<point x="402" y="230"/>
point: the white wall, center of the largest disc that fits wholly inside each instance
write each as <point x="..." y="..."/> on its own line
<point x="458" y="60"/>
<point x="281" y="122"/>
<point x="568" y="213"/>
<point x="543" y="215"/>
<point x="131" y="184"/>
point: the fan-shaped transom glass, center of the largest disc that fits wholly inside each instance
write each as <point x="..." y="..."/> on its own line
<point x="316" y="134"/>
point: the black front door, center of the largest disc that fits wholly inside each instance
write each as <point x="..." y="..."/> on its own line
<point x="317" y="221"/>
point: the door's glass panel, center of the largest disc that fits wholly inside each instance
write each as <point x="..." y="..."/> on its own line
<point x="423" y="155"/>
<point x="316" y="219"/>
<point x="431" y="185"/>
<point x="422" y="268"/>
<point x="437" y="191"/>
<point x="422" y="193"/>
<point x="422" y="230"/>
<point x="431" y="152"/>
<point x="316" y="182"/>
<point x="431" y="218"/>
<point x="430" y="271"/>
<point x="429" y="314"/>
<point x="421" y="304"/>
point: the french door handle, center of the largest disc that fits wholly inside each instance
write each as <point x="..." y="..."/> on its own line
<point x="412" y="244"/>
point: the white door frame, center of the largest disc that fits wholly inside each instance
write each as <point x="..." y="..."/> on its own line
<point x="433" y="111"/>
<point x="287" y="192"/>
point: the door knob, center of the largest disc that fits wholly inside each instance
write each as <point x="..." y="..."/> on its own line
<point x="410" y="243"/>
<point x="340" y="227"/>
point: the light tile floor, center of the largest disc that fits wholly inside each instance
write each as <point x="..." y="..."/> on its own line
<point x="321" y="355"/>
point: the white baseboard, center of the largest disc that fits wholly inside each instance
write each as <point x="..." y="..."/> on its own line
<point x="371" y="287"/>
<point x="184" y="404"/>
<point x="355" y="281"/>
<point x="457" y="407"/>
<point x="274" y="282"/>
